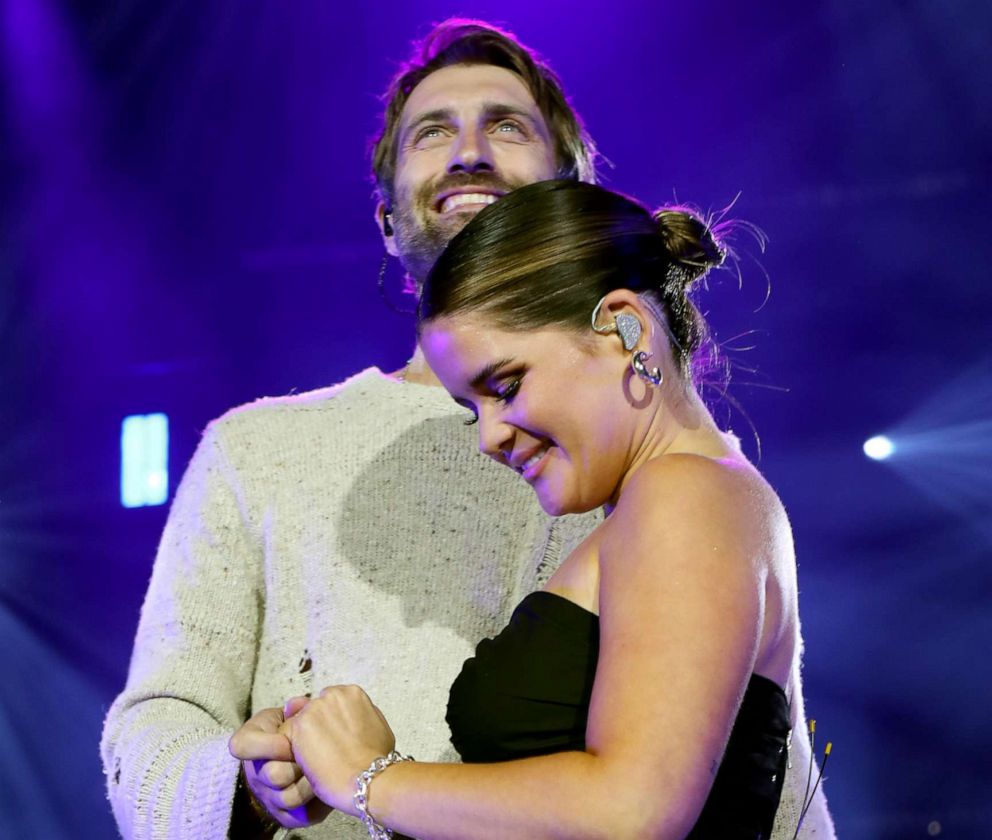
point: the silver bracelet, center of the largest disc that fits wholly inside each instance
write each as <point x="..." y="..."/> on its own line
<point x="362" y="782"/>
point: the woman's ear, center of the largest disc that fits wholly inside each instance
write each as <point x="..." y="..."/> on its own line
<point x="622" y="312"/>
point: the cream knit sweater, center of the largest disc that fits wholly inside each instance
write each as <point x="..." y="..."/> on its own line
<point x="352" y="534"/>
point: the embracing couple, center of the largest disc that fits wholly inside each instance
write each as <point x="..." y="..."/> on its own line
<point x="331" y="559"/>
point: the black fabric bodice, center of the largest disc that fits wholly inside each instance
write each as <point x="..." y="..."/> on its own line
<point x="526" y="692"/>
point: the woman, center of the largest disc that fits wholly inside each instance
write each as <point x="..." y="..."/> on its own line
<point x="650" y="690"/>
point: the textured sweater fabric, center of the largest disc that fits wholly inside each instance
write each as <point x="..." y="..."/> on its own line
<point x="350" y="535"/>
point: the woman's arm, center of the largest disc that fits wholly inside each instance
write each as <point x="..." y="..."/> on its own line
<point x="681" y="611"/>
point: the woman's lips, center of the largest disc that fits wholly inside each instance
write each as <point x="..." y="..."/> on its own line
<point x="533" y="465"/>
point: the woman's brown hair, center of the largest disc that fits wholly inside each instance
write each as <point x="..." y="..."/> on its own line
<point x="547" y="253"/>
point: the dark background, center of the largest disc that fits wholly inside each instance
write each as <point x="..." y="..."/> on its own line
<point x="186" y="224"/>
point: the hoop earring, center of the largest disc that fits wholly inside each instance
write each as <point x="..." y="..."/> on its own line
<point x="652" y="377"/>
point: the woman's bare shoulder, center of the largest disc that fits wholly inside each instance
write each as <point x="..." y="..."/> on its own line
<point x="685" y="478"/>
<point x="688" y="497"/>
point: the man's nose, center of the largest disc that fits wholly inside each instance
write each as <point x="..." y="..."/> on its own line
<point x="472" y="152"/>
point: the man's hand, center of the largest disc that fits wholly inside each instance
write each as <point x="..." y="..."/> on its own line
<point x="274" y="780"/>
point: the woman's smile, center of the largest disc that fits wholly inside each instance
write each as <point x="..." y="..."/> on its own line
<point x="533" y="466"/>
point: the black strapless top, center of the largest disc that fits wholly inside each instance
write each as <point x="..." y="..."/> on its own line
<point x="527" y="692"/>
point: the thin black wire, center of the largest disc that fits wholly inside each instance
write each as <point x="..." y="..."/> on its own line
<point x="382" y="291"/>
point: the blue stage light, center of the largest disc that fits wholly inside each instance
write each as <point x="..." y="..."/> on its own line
<point x="879" y="448"/>
<point x="144" y="460"/>
<point x="944" y="446"/>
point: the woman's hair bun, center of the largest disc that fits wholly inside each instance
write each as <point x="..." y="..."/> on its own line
<point x="692" y="246"/>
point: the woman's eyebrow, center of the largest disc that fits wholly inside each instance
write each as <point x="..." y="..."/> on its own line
<point x="489" y="371"/>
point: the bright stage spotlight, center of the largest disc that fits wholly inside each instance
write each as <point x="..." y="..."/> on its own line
<point x="879" y="448"/>
<point x="944" y="446"/>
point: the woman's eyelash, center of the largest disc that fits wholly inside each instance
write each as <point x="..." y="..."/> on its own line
<point x="509" y="392"/>
<point x="503" y="395"/>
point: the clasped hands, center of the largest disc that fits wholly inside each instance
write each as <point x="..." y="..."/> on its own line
<point x="300" y="762"/>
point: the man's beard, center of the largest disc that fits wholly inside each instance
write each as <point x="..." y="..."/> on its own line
<point x="422" y="234"/>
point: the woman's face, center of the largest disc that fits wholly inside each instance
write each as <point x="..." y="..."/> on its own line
<point x="550" y="404"/>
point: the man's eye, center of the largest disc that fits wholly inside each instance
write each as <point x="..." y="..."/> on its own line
<point x="430" y="132"/>
<point x="509" y="127"/>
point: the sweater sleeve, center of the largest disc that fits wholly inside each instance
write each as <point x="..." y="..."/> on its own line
<point x="164" y="745"/>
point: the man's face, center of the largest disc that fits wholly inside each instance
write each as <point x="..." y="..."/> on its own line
<point x="467" y="135"/>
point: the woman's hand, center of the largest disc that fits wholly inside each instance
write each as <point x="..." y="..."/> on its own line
<point x="335" y="737"/>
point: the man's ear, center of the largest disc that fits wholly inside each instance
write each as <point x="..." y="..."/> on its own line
<point x="383" y="218"/>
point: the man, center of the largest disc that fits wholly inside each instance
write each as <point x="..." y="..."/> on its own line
<point x="353" y="534"/>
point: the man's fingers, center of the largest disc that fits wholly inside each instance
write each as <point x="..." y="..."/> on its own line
<point x="265" y="720"/>
<point x="307" y="791"/>
<point x="259" y="738"/>
<point x="314" y="811"/>
<point x="295" y="796"/>
<point x="278" y="774"/>
<point x="294" y="704"/>
<point x="253" y="746"/>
